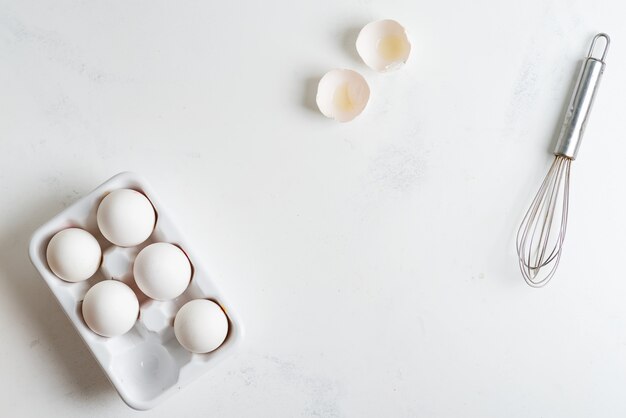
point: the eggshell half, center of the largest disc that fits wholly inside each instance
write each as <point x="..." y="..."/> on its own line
<point x="342" y="94"/>
<point x="383" y="45"/>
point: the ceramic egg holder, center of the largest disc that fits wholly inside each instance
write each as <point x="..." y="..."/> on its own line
<point x="147" y="364"/>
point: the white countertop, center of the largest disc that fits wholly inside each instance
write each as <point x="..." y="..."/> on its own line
<point x="373" y="263"/>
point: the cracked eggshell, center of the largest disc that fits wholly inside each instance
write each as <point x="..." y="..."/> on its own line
<point x="383" y="45"/>
<point x="342" y="94"/>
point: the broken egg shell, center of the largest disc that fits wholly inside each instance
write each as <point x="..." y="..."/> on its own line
<point x="342" y="94"/>
<point x="383" y="45"/>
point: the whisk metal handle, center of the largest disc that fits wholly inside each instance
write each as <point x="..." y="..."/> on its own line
<point x="581" y="101"/>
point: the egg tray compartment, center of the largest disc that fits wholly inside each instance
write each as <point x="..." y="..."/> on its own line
<point x="147" y="364"/>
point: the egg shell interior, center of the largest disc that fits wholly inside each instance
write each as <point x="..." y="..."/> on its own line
<point x="147" y="364"/>
<point x="383" y="45"/>
<point x="342" y="94"/>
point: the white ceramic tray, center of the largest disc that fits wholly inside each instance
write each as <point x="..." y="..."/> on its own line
<point x="147" y="364"/>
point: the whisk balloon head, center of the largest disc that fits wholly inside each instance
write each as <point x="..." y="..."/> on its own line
<point x="542" y="231"/>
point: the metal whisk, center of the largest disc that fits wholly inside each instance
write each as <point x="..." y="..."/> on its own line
<point x="541" y="234"/>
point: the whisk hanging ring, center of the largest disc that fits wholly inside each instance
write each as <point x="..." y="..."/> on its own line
<point x="607" y="43"/>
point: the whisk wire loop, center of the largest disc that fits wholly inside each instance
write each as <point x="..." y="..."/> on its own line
<point x="539" y="250"/>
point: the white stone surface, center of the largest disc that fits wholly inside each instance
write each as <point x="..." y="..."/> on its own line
<point x="373" y="262"/>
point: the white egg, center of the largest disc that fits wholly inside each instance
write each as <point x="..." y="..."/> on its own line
<point x="162" y="271"/>
<point x="73" y="255"/>
<point x="110" y="308"/>
<point x="383" y="45"/>
<point x="342" y="95"/>
<point x="126" y="217"/>
<point x="201" y="326"/>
